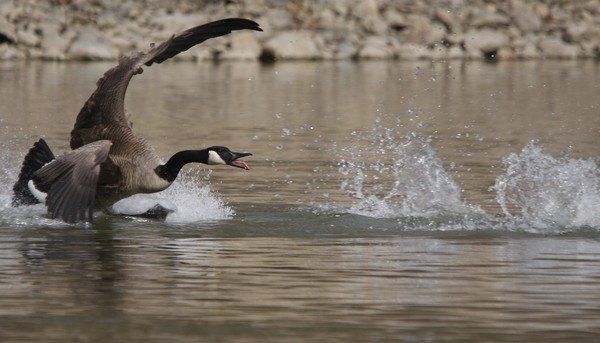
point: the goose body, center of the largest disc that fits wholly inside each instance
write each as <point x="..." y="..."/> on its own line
<point x="108" y="162"/>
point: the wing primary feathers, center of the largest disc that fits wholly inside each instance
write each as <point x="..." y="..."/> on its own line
<point x="199" y="34"/>
<point x="106" y="106"/>
<point x="72" y="180"/>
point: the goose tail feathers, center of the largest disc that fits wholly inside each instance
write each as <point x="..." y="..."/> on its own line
<point x="38" y="156"/>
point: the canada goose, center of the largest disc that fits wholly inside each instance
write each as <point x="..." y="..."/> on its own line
<point x="108" y="162"/>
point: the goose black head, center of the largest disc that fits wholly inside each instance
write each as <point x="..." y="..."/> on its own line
<point x="222" y="155"/>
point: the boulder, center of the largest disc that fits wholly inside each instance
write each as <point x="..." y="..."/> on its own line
<point x="489" y="18"/>
<point x="554" y="47"/>
<point x="367" y="13"/>
<point x="10" y="52"/>
<point x="525" y="17"/>
<point x="89" y="45"/>
<point x="54" y="41"/>
<point x="421" y="30"/>
<point x="244" y="46"/>
<point x="575" y="32"/>
<point x="7" y="31"/>
<point x="413" y="52"/>
<point x="178" y="22"/>
<point x="528" y="51"/>
<point x="375" y="47"/>
<point x="484" y="41"/>
<point x="28" y="38"/>
<point x="293" y="45"/>
<point x="345" y="50"/>
<point x="455" y="52"/>
<point x="447" y="19"/>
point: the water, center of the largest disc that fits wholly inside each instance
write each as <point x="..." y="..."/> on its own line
<point x="386" y="201"/>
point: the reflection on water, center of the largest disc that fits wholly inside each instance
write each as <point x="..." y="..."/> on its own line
<point x="121" y="282"/>
<point x="385" y="201"/>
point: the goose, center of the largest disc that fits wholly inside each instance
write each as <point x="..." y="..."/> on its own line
<point x="108" y="162"/>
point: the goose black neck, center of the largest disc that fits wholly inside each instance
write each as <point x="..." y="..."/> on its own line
<point x="170" y="170"/>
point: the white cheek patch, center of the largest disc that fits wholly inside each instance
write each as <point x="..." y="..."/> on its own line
<point x="214" y="158"/>
<point x="40" y="196"/>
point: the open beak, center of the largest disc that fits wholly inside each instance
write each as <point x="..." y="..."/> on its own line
<point x="238" y="163"/>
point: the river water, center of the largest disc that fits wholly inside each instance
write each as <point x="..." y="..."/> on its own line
<point x="386" y="201"/>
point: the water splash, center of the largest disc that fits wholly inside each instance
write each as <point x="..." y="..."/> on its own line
<point x="191" y="201"/>
<point x="549" y="192"/>
<point x="19" y="216"/>
<point x="392" y="174"/>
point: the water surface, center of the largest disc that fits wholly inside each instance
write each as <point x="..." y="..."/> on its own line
<point x="386" y="201"/>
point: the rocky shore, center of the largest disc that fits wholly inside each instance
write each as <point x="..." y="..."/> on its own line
<point x="303" y="29"/>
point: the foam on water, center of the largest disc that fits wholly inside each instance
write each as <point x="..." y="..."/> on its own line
<point x="191" y="201"/>
<point x="549" y="192"/>
<point x="20" y="216"/>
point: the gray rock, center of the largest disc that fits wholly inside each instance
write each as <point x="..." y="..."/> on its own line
<point x="10" y="52"/>
<point x="367" y="13"/>
<point x="505" y="53"/>
<point x="329" y="22"/>
<point x="7" y="29"/>
<point x="413" y="52"/>
<point x="447" y="19"/>
<point x="345" y="50"/>
<point x="455" y="52"/>
<point x="422" y="31"/>
<point x="54" y="41"/>
<point x="554" y="47"/>
<point x="375" y="47"/>
<point x="528" y="51"/>
<point x="590" y="49"/>
<point x="340" y="7"/>
<point x="484" y="41"/>
<point x="575" y="32"/>
<point x="395" y="19"/>
<point x="27" y="37"/>
<point x="89" y="45"/>
<point x="244" y="46"/>
<point x="489" y="18"/>
<point x="525" y="17"/>
<point x="177" y="22"/>
<point x="293" y="45"/>
<point x="277" y="20"/>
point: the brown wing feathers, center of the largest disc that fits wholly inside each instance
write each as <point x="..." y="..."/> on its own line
<point x="71" y="181"/>
<point x="105" y="107"/>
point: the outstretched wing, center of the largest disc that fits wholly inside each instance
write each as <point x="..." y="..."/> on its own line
<point x="197" y="35"/>
<point x="71" y="181"/>
<point x="105" y="107"/>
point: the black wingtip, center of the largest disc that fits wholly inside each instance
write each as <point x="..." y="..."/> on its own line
<point x="238" y="24"/>
<point x="196" y="35"/>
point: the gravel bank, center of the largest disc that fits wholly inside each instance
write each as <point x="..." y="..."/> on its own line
<point x="301" y="29"/>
